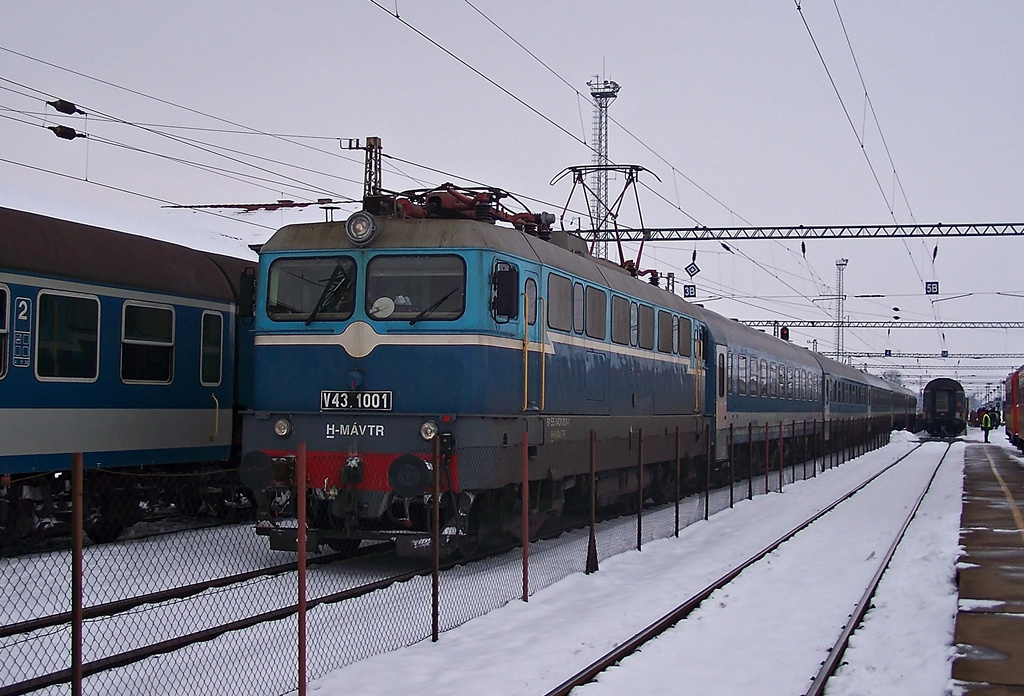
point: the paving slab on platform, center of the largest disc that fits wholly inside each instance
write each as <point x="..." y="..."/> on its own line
<point x="990" y="622"/>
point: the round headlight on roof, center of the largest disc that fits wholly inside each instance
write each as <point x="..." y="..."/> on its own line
<point x="361" y="228"/>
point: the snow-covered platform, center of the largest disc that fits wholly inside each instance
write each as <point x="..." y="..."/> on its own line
<point x="990" y="620"/>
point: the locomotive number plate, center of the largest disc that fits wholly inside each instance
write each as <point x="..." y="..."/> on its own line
<point x="355" y="400"/>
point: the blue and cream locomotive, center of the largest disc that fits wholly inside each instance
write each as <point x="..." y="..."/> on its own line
<point x="439" y="313"/>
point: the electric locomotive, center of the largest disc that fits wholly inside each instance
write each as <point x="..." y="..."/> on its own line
<point x="420" y="316"/>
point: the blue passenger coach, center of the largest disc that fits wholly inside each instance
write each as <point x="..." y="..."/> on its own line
<point x="114" y="345"/>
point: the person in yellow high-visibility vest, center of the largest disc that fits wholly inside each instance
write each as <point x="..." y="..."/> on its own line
<point x="986" y="424"/>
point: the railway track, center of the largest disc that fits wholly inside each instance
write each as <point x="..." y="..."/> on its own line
<point x="835" y="653"/>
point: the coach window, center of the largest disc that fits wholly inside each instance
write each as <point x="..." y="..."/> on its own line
<point x="685" y="337"/>
<point x="597" y="323"/>
<point x="773" y="380"/>
<point x="413" y="288"/>
<point x="731" y="374"/>
<point x="67" y="331"/>
<point x="646" y="327"/>
<point x="790" y="384"/>
<point x="311" y="289"/>
<point x="4" y="314"/>
<point x="620" y="320"/>
<point x="764" y="379"/>
<point x="577" y="308"/>
<point x="742" y="370"/>
<point x="559" y="302"/>
<point x="666" y="323"/>
<point x="721" y="374"/>
<point x="212" y="345"/>
<point x="530" y="290"/>
<point x="147" y="343"/>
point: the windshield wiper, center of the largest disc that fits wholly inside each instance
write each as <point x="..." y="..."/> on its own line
<point x="432" y="307"/>
<point x="336" y="282"/>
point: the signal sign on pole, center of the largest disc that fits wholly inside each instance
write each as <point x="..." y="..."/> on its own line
<point x="693" y="269"/>
<point x="931" y="287"/>
<point x="689" y="291"/>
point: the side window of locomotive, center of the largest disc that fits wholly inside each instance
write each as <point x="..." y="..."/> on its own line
<point x="646" y="327"/>
<point x="68" y="332"/>
<point x="559" y="302"/>
<point x="620" y="320"/>
<point x="597" y="301"/>
<point x="666" y="328"/>
<point x="530" y="289"/>
<point x="4" y="333"/>
<point x="212" y="347"/>
<point x="634" y="324"/>
<point x="147" y="343"/>
<point x="685" y="337"/>
<point x="577" y="308"/>
<point x="413" y="288"/>
<point x="742" y="370"/>
<point x="320" y="288"/>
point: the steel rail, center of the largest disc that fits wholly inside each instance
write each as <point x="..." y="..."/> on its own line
<point x="835" y="655"/>
<point x="669" y="620"/>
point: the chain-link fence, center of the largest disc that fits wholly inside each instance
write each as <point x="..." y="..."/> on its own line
<point x="187" y="600"/>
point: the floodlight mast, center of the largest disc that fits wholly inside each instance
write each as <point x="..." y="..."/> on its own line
<point x="603" y="93"/>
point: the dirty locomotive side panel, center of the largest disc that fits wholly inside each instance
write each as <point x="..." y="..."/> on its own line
<point x="375" y="335"/>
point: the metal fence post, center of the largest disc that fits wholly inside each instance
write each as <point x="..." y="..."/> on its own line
<point x="767" y="459"/>
<point x="732" y="467"/>
<point x="300" y="505"/>
<point x="526" y="516"/>
<point x="640" y="491"/>
<point x="592" y="543"/>
<point x="750" y="461"/>
<point x="707" y="471"/>
<point x="77" y="516"/>
<point x="781" y="458"/>
<point x="677" y="482"/>
<point x="435" y="533"/>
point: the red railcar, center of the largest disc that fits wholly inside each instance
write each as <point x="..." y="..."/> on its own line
<point x="1013" y="418"/>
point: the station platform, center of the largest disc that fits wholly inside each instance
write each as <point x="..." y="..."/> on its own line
<point x="990" y="621"/>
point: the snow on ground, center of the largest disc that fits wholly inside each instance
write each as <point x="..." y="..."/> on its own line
<point x="529" y="648"/>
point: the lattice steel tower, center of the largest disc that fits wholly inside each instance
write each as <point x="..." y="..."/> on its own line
<point x="603" y="93"/>
<point x="840" y="347"/>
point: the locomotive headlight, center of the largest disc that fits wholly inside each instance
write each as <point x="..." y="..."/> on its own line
<point x="361" y="228"/>
<point x="428" y="430"/>
<point x="283" y="427"/>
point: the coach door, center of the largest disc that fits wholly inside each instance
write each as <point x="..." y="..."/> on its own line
<point x="722" y="383"/>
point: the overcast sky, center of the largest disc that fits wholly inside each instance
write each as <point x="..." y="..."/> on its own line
<point x="729" y="104"/>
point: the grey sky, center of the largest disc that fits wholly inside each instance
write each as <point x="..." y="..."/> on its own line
<point x="732" y="96"/>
